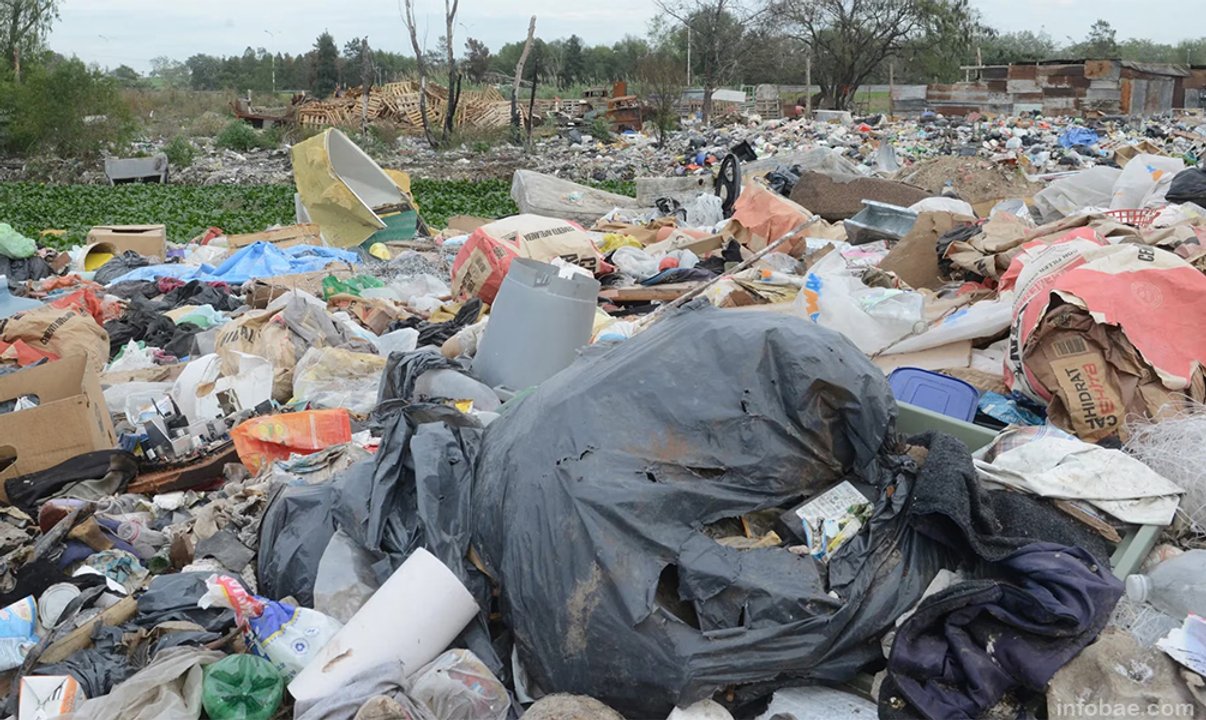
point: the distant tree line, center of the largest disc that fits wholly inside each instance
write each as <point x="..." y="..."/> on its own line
<point x="728" y="42"/>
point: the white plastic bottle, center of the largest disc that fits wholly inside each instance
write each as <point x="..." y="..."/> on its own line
<point x="1176" y="586"/>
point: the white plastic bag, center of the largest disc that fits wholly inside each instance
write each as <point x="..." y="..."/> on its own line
<point x="337" y="378"/>
<point x="1068" y="196"/>
<point x="401" y="340"/>
<point x="133" y="358"/>
<point x="872" y="318"/>
<point x="635" y="262"/>
<point x="706" y="210"/>
<point x="199" y="389"/>
<point x="978" y="320"/>
<point x="1144" y="181"/>
<point x="943" y="204"/>
<point x="458" y="686"/>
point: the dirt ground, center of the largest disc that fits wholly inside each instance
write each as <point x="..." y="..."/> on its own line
<point x="975" y="179"/>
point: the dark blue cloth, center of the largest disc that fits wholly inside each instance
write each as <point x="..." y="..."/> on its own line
<point x="672" y="275"/>
<point x="968" y="645"/>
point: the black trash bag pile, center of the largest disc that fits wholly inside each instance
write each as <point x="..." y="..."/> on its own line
<point x="141" y="322"/>
<point x="1188" y="186"/>
<point x="592" y="494"/>
<point x="587" y="505"/>
<point x="195" y="292"/>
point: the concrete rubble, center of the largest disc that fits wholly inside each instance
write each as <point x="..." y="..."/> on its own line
<point x="885" y="422"/>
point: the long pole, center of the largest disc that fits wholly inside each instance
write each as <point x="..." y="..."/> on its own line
<point x="688" y="56"/>
<point x="891" y="86"/>
<point x="272" y="35"/>
<point x="808" y="83"/>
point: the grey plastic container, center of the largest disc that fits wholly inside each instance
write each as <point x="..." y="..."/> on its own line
<point x="538" y="322"/>
<point x="879" y="221"/>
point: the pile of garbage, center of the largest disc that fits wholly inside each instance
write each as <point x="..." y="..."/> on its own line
<point x="793" y="439"/>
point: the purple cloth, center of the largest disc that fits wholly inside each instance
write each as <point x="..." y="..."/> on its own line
<point x="968" y="645"/>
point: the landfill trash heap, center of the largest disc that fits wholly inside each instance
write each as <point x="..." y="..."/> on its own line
<point x="751" y="444"/>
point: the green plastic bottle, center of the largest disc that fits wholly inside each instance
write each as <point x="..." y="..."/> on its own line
<point x="242" y="687"/>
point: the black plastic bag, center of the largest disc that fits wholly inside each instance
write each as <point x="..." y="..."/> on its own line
<point x="294" y="532"/>
<point x="119" y="265"/>
<point x="592" y="491"/>
<point x="1188" y="186"/>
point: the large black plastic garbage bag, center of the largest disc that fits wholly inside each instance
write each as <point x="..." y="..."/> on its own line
<point x="591" y="495"/>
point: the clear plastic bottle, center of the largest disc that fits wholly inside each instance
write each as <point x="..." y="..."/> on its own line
<point x="1176" y="586"/>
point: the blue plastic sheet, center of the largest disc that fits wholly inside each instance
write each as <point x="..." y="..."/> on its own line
<point x="1077" y="135"/>
<point x="254" y="261"/>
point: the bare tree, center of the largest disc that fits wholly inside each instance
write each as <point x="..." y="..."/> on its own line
<point x="366" y="81"/>
<point x="454" y="78"/>
<point x="523" y="59"/>
<point x="412" y="27"/>
<point x="715" y="30"/>
<point x="23" y="26"/>
<point x="850" y="39"/>
<point x="662" y="82"/>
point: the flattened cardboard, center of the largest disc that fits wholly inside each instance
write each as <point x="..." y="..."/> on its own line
<point x="147" y="240"/>
<point x="70" y="419"/>
<point x="944" y="357"/>
<point x="681" y="241"/>
<point x="466" y="223"/>
<point x="304" y="234"/>
<point x="915" y="257"/>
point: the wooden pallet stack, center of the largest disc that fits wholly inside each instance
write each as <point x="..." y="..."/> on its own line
<point x="398" y="103"/>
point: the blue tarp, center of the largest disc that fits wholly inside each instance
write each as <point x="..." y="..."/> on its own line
<point x="254" y="261"/>
<point x="1077" y="135"/>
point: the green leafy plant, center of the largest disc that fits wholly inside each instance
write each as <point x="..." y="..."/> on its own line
<point x="600" y="129"/>
<point x="180" y="152"/>
<point x="241" y="137"/>
<point x="187" y="210"/>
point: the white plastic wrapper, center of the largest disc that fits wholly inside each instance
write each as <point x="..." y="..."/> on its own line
<point x="288" y="637"/>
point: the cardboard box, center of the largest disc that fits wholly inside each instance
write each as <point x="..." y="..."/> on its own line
<point x="305" y="234"/>
<point x="48" y="696"/>
<point x="71" y="417"/>
<point x="148" y="240"/>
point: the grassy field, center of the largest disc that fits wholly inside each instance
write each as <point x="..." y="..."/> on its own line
<point x="188" y="210"/>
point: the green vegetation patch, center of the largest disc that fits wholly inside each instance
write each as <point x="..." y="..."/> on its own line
<point x="188" y="210"/>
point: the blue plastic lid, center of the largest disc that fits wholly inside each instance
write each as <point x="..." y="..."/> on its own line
<point x="943" y="394"/>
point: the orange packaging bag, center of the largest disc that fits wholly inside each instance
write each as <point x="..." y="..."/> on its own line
<point x="262" y="440"/>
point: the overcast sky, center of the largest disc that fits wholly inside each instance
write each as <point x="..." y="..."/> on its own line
<point x="131" y="32"/>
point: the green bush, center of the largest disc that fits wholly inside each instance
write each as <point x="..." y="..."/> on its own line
<point x="241" y="137"/>
<point x="207" y="124"/>
<point x="600" y="129"/>
<point x="272" y="137"/>
<point x="66" y="109"/>
<point x="180" y="152"/>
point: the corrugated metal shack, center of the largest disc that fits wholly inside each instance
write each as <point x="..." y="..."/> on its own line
<point x="1061" y="87"/>
<point x="1195" y="87"/>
